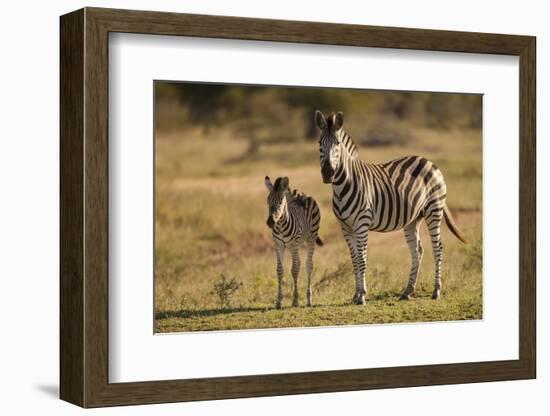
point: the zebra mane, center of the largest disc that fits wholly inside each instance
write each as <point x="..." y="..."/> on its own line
<point x="349" y="145"/>
<point x="296" y="196"/>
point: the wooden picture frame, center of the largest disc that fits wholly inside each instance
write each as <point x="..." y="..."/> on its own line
<point x="84" y="207"/>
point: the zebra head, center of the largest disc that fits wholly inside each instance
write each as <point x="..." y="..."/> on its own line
<point x="276" y="200"/>
<point x="329" y="142"/>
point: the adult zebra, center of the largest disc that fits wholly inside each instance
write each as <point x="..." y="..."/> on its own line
<point x="382" y="197"/>
<point x="294" y="219"/>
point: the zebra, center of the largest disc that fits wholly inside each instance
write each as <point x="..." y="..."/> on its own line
<point x="383" y="197"/>
<point x="294" y="219"/>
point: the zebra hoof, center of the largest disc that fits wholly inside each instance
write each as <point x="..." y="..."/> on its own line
<point x="405" y="296"/>
<point x="436" y="294"/>
<point x="295" y="303"/>
<point x="359" y="300"/>
<point x="278" y="305"/>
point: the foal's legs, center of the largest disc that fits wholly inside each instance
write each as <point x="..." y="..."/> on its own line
<point x="295" y="272"/>
<point x="280" y="251"/>
<point x="309" y="269"/>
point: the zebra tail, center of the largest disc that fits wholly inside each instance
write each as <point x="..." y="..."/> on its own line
<point x="319" y="242"/>
<point x="452" y="225"/>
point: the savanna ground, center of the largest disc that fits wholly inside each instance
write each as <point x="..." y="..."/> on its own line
<point x="214" y="261"/>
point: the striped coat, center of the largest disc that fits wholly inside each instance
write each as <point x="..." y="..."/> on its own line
<point x="382" y="197"/>
<point x="294" y="219"/>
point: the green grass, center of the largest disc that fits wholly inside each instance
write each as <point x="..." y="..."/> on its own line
<point x="382" y="311"/>
<point x="210" y="221"/>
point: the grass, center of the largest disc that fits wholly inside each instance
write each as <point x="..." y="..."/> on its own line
<point x="378" y="311"/>
<point x="210" y="222"/>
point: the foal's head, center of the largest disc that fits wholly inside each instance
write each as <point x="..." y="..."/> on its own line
<point x="276" y="200"/>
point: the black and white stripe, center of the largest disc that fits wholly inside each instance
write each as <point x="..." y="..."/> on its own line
<point x="382" y="197"/>
<point x="294" y="219"/>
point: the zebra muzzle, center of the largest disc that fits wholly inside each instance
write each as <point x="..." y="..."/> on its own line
<point x="327" y="172"/>
<point x="270" y="223"/>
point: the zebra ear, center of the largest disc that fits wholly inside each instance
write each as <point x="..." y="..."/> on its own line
<point x="320" y="120"/>
<point x="338" y="120"/>
<point x="268" y="184"/>
<point x="284" y="183"/>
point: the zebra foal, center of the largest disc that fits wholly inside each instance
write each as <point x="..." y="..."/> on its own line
<point x="382" y="197"/>
<point x="294" y="219"/>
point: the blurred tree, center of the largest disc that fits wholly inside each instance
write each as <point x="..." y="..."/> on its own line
<point x="263" y="113"/>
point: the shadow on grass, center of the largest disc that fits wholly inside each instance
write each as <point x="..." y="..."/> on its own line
<point x="391" y="296"/>
<point x="204" y="313"/>
<point x="384" y="296"/>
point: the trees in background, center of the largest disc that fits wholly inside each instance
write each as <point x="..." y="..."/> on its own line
<point x="264" y="114"/>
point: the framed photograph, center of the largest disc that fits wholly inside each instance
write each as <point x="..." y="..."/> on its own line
<point x="257" y="207"/>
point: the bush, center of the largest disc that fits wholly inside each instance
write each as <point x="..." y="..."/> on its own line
<point x="225" y="289"/>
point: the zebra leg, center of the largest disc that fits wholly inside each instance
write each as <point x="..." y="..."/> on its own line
<point x="309" y="269"/>
<point x="434" y="227"/>
<point x="357" y="244"/>
<point x="361" y="250"/>
<point x="280" y="251"/>
<point x="350" y="240"/>
<point x="295" y="272"/>
<point x="415" y="246"/>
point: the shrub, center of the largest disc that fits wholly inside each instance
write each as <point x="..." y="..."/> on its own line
<point x="225" y="289"/>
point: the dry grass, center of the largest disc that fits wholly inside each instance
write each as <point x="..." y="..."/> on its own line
<point x="210" y="221"/>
